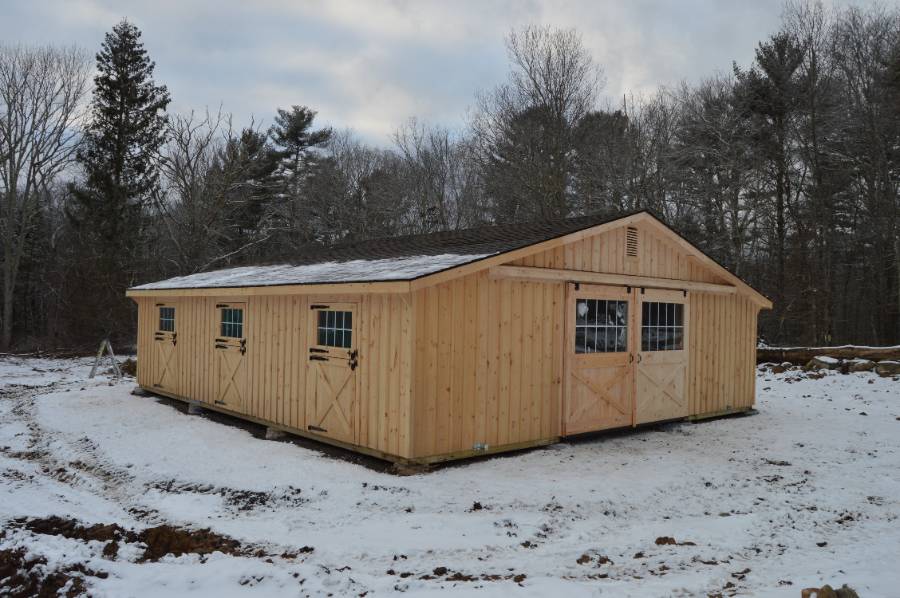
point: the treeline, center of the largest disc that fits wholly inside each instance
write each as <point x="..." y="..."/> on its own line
<point x="784" y="170"/>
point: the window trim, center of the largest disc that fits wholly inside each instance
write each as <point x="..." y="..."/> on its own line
<point x="220" y="322"/>
<point x="595" y="326"/>
<point x="683" y="326"/>
<point x="317" y="307"/>
<point x="159" y="318"/>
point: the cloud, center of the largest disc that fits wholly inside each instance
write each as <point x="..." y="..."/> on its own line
<point x="371" y="65"/>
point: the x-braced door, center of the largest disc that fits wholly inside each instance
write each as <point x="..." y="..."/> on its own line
<point x="231" y="355"/>
<point x="165" y="341"/>
<point x="599" y="359"/>
<point x="333" y="360"/>
<point x="662" y="356"/>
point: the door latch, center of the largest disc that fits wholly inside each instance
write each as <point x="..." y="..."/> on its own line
<point x="354" y="359"/>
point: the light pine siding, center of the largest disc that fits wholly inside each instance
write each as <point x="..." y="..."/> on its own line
<point x="490" y="373"/>
<point x="466" y="361"/>
<point x="490" y="351"/>
<point x="277" y="333"/>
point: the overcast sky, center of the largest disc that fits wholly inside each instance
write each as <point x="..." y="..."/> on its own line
<point x="369" y="66"/>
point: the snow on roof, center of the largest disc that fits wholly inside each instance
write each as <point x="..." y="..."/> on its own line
<point x="398" y="268"/>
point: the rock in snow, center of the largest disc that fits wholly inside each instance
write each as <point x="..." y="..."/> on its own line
<point x="822" y="362"/>
<point x="888" y="368"/>
<point x="860" y="365"/>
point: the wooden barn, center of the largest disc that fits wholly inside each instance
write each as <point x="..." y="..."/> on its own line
<point x="448" y="345"/>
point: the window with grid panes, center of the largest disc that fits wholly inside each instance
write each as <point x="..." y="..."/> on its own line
<point x="601" y="326"/>
<point x="335" y="329"/>
<point x="167" y="319"/>
<point x="232" y="322"/>
<point x="662" y="326"/>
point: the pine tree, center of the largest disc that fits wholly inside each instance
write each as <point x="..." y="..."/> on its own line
<point x="119" y="158"/>
<point x="295" y="141"/>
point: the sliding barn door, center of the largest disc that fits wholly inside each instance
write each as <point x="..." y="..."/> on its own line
<point x="599" y="361"/>
<point x="332" y="375"/>
<point x="165" y="345"/>
<point x="231" y="355"/>
<point x="662" y="361"/>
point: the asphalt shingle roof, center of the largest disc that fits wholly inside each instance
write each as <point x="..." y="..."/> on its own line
<point x="387" y="259"/>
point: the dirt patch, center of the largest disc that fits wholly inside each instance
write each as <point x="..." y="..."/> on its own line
<point x="670" y="541"/>
<point x="445" y="574"/>
<point x="23" y="575"/>
<point x="72" y="529"/>
<point x="166" y="539"/>
<point x="158" y="541"/>
<point x="238" y="500"/>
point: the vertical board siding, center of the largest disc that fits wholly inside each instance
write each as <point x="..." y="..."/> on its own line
<point x="486" y="364"/>
<point x="277" y="333"/>
<point x="489" y="352"/>
<point x="605" y="253"/>
<point x="722" y="365"/>
<point x="473" y="360"/>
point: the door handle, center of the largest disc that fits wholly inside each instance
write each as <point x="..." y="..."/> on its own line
<point x="631" y="358"/>
<point x="640" y="358"/>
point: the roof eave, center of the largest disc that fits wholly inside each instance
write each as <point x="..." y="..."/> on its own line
<point x="349" y="287"/>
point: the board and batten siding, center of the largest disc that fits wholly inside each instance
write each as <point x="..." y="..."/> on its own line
<point x="471" y="362"/>
<point x="488" y="364"/>
<point x="489" y="353"/>
<point x="277" y="333"/>
<point x="722" y="364"/>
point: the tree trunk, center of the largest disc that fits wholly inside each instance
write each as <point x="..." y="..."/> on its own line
<point x="6" y="332"/>
<point x="804" y="354"/>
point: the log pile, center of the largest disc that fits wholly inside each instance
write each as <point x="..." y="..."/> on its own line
<point x="803" y="355"/>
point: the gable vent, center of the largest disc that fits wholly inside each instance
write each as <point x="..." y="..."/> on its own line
<point x="631" y="242"/>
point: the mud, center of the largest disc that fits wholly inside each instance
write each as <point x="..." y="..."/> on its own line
<point x="238" y="500"/>
<point x="158" y="541"/>
<point x="445" y="574"/>
<point x="21" y="576"/>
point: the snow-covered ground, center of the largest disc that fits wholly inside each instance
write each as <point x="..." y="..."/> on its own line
<point x="804" y="493"/>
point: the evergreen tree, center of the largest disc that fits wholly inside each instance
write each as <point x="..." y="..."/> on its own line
<point x="772" y="99"/>
<point x="295" y="141"/>
<point x="119" y="158"/>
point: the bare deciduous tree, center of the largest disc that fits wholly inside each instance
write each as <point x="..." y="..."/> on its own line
<point x="41" y="93"/>
<point x="525" y="129"/>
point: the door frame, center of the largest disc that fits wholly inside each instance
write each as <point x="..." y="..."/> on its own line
<point x="341" y="354"/>
<point x="166" y="336"/>
<point x="569" y="355"/>
<point x="231" y="344"/>
<point x="634" y="340"/>
<point x="664" y="296"/>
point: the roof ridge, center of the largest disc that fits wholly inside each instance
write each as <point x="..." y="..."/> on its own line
<point x="548" y="222"/>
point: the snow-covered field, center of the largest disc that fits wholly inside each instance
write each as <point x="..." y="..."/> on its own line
<point x="804" y="493"/>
